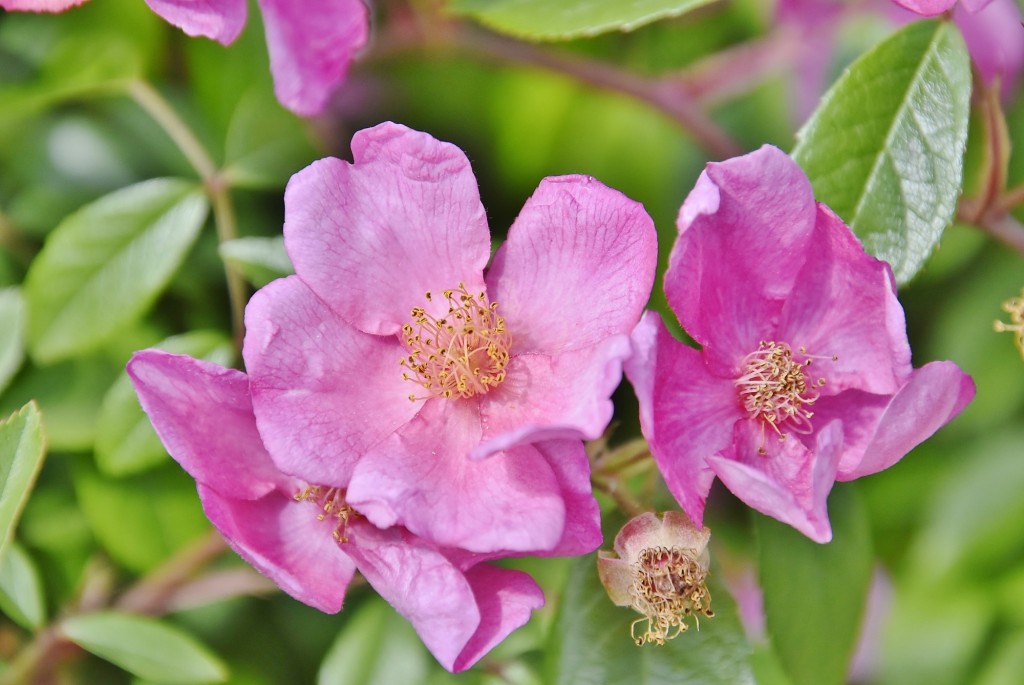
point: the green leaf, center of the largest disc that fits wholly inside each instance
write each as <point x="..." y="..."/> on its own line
<point x="591" y="642"/>
<point x="814" y="594"/>
<point x="106" y="263"/>
<point x="885" y="147"/>
<point x="21" y="590"/>
<point x="375" y="647"/>
<point x="260" y="260"/>
<point x="125" y="440"/>
<point x="12" y="334"/>
<point x="21" y="456"/>
<point x="265" y="144"/>
<point x="547" y="20"/>
<point x="145" y="647"/>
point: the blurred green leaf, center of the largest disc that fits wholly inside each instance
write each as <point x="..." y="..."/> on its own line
<point x="375" y="647"/>
<point x="106" y="263"/>
<point x="885" y="147"/>
<point x="546" y="20"/>
<point x="1005" y="663"/>
<point x="21" y="590"/>
<point x="591" y="642"/>
<point x="145" y="647"/>
<point x="22" y="448"/>
<point x="12" y="334"/>
<point x="814" y="595"/>
<point x="265" y="144"/>
<point x="125" y="440"/>
<point x="260" y="260"/>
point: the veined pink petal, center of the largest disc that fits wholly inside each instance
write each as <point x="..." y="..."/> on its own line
<point x="689" y="412"/>
<point x="577" y="266"/>
<point x="567" y="395"/>
<point x="311" y="44"/>
<point x="371" y="238"/>
<point x="975" y="5"/>
<point x="221" y="20"/>
<point x="742" y="242"/>
<point x="581" y="533"/>
<point x="284" y="540"/>
<point x="844" y="303"/>
<point x="421" y="478"/>
<point x="39" y="5"/>
<point x="203" y="415"/>
<point x="927" y="8"/>
<point x="323" y="392"/>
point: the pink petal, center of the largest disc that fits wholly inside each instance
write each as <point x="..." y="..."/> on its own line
<point x="324" y="393"/>
<point x="789" y="483"/>
<point x="568" y="461"/>
<point x="546" y="397"/>
<point x="39" y="5"/>
<point x="203" y="415"/>
<point x="284" y="541"/>
<point x="995" y="39"/>
<point x="421" y="478"/>
<point x="926" y="8"/>
<point x="311" y="45"/>
<point x="371" y="238"/>
<point x="935" y="394"/>
<point x="577" y="266"/>
<point x="741" y="243"/>
<point x="686" y="413"/>
<point x="844" y="303"/>
<point x="221" y="20"/>
<point x="973" y="6"/>
<point x="648" y="530"/>
<point x="617" y="578"/>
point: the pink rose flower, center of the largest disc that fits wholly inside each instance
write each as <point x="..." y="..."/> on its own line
<point x="804" y="375"/>
<point x="311" y="42"/>
<point x="308" y="540"/>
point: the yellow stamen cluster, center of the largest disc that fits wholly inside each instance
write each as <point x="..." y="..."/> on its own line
<point x="668" y="587"/>
<point x="331" y="502"/>
<point x="461" y="354"/>
<point x="1015" y="308"/>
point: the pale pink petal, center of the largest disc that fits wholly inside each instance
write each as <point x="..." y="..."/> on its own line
<point x="790" y="483"/>
<point x="421" y="478"/>
<point x="927" y="8"/>
<point x="546" y="397"/>
<point x="617" y="578"/>
<point x="221" y="20"/>
<point x="648" y="530"/>
<point x="844" y="303"/>
<point x="284" y="541"/>
<point x="203" y="415"/>
<point x="311" y="45"/>
<point x="742" y="242"/>
<point x="686" y="413"/>
<point x="39" y="5"/>
<point x="323" y="392"/>
<point x="371" y="238"/>
<point x="577" y="266"/>
<point x="995" y="39"/>
<point x="974" y="5"/>
<point x="935" y="394"/>
<point x="582" y="530"/>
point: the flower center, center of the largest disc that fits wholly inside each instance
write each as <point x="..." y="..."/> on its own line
<point x="775" y="388"/>
<point x="331" y="502"/>
<point x="461" y="354"/>
<point x="1015" y="308"/>
<point x="668" y="587"/>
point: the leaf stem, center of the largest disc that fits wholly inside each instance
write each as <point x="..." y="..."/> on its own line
<point x="154" y="104"/>
<point x="622" y="498"/>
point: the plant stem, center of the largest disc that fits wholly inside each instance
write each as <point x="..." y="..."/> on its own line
<point x="612" y="488"/>
<point x="151" y="594"/>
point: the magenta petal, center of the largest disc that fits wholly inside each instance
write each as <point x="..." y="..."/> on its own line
<point x="741" y="243"/>
<point x="547" y="397"/>
<point x="203" y="415"/>
<point x="284" y="540"/>
<point x="577" y="266"/>
<point x="221" y="20"/>
<point x="686" y="413"/>
<point x="582" y="530"/>
<point x="421" y="478"/>
<point x="926" y="8"/>
<point x="323" y="391"/>
<point x="39" y="5"/>
<point x="371" y="238"/>
<point x="995" y="39"/>
<point x="934" y="394"/>
<point x="790" y="483"/>
<point x="311" y="45"/>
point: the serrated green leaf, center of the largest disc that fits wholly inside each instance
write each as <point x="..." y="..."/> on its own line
<point x="265" y="144"/>
<point x="814" y="595"/>
<point x="12" y="334"/>
<point x="547" y="20"/>
<point x="21" y="590"/>
<point x="145" y="647"/>
<point x="591" y="643"/>
<point x="106" y="263"/>
<point x="885" y="147"/>
<point x="125" y="441"/>
<point x="260" y="260"/>
<point x="21" y="456"/>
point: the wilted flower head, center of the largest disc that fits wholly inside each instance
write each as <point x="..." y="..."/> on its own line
<point x="804" y="375"/>
<point x="659" y="571"/>
<point x="1015" y="308"/>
